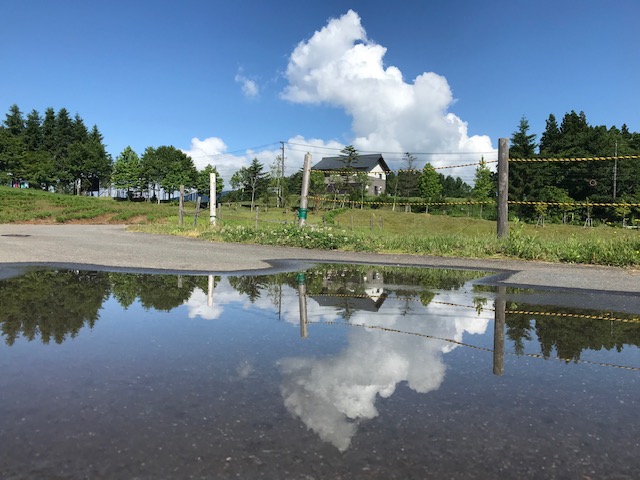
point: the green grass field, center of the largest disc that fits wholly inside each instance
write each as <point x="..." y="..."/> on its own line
<point x="372" y="230"/>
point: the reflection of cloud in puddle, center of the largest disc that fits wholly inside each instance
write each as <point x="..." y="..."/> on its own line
<point x="223" y="294"/>
<point x="333" y="395"/>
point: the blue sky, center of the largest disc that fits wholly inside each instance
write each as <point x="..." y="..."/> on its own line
<point x="226" y="81"/>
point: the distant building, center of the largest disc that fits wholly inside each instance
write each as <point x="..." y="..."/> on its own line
<point x="373" y="165"/>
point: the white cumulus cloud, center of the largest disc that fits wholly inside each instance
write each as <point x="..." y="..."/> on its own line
<point x="340" y="66"/>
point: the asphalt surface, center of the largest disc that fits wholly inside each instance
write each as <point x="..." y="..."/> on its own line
<point x="111" y="247"/>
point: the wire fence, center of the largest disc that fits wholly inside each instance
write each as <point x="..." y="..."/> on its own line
<point x="573" y="190"/>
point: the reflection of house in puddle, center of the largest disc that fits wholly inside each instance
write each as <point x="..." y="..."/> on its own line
<point x="348" y="291"/>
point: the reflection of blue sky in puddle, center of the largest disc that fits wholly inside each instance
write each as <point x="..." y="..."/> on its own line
<point x="333" y="394"/>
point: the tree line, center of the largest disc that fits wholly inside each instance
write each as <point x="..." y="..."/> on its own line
<point x="59" y="153"/>
<point x="585" y="181"/>
<point x="54" y="152"/>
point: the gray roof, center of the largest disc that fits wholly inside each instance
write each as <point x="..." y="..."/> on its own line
<point x="363" y="162"/>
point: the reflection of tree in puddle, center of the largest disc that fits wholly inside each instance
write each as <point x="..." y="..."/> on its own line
<point x="160" y="292"/>
<point x="51" y="304"/>
<point x="56" y="304"/>
<point x="569" y="337"/>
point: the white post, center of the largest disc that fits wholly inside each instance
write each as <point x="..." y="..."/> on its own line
<point x="212" y="199"/>
<point x="210" y="292"/>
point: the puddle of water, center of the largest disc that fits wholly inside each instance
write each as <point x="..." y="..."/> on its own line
<point x="336" y="372"/>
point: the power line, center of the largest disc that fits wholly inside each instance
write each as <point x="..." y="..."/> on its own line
<point x="392" y="153"/>
<point x="241" y="150"/>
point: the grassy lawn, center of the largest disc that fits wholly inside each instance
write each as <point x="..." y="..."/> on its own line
<point x="370" y="230"/>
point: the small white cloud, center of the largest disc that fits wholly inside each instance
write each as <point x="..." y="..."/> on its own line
<point x="249" y="87"/>
<point x="212" y="151"/>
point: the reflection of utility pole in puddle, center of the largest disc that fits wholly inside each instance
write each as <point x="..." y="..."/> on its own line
<point x="498" y="331"/>
<point x="210" y="292"/>
<point x="302" y="297"/>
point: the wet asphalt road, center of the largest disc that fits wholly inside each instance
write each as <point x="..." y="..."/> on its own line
<point x="111" y="247"/>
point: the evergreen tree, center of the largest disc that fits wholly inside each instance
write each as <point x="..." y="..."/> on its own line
<point x="522" y="143"/>
<point x="483" y="187"/>
<point x="80" y="132"/>
<point x="152" y="172"/>
<point x="549" y="142"/>
<point x="203" y="181"/>
<point x="14" y="122"/>
<point x="525" y="178"/>
<point x="348" y="155"/>
<point x="409" y="177"/>
<point x="430" y="186"/>
<point x="33" y="131"/>
<point x="127" y="172"/>
<point x="49" y="131"/>
<point x="12" y="157"/>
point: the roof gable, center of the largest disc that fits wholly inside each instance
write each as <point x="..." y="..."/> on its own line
<point x="363" y="162"/>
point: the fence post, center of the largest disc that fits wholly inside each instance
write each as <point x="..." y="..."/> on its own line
<point x="498" y="330"/>
<point x="195" y="217"/>
<point x="503" y="187"/>
<point x="302" y="300"/>
<point x="304" y="194"/>
<point x="212" y="199"/>
<point x="181" y="206"/>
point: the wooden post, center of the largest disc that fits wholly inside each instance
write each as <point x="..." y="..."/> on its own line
<point x="181" y="207"/>
<point x="195" y="217"/>
<point x="498" y="331"/>
<point x="212" y="199"/>
<point x="257" y="208"/>
<point x="304" y="194"/>
<point x="503" y="187"/>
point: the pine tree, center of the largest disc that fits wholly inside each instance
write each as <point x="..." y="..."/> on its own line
<point x="14" y="122"/>
<point x="430" y="186"/>
<point x="127" y="171"/>
<point x="522" y="143"/>
<point x="349" y="155"/>
<point x="483" y="187"/>
<point x="33" y="131"/>
<point x="549" y="142"/>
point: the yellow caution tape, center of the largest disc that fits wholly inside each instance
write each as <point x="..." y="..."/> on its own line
<point x="577" y="159"/>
